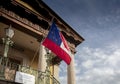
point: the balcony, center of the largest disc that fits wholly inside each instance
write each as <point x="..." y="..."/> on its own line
<point x="8" y="71"/>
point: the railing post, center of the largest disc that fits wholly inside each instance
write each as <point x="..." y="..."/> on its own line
<point x="1" y="69"/>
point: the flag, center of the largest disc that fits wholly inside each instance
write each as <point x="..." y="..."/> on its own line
<point x="56" y="42"/>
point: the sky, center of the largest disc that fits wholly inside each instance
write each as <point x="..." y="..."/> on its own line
<point x="97" y="60"/>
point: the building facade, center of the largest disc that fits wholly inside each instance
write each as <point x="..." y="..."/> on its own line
<point x="28" y="22"/>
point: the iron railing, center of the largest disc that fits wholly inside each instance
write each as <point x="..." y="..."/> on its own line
<point x="8" y="72"/>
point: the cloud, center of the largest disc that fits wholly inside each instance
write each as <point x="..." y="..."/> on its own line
<point x="88" y="64"/>
<point x="99" y="66"/>
<point x="113" y="59"/>
<point x="96" y="66"/>
<point x="99" y="76"/>
<point x="63" y="80"/>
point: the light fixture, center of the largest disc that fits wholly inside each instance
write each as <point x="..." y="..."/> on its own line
<point x="7" y="40"/>
<point x="9" y="32"/>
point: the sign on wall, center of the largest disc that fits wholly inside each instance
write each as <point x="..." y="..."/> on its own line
<point x="24" y="78"/>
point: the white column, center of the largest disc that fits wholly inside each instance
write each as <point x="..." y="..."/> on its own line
<point x="42" y="59"/>
<point x="71" y="72"/>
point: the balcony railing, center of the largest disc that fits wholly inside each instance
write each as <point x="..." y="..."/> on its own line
<point x="8" y="72"/>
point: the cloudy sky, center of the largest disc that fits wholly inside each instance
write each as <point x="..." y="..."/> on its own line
<point x="97" y="60"/>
